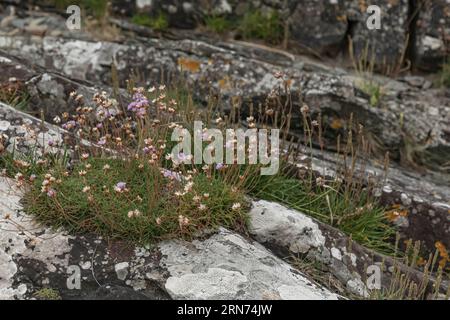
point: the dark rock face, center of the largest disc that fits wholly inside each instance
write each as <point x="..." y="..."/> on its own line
<point x="388" y="44"/>
<point x="415" y="30"/>
<point x="433" y="34"/>
<point x="319" y="25"/>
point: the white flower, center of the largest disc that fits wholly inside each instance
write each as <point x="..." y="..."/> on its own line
<point x="236" y="206"/>
<point x="86" y="189"/>
<point x="134" y="213"/>
<point x="19" y="176"/>
<point x="183" y="221"/>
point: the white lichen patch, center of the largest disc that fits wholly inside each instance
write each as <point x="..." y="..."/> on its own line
<point x="20" y="235"/>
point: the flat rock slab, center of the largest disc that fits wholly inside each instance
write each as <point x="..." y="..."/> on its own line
<point x="227" y="266"/>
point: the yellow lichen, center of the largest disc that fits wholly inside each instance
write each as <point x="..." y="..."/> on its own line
<point x="190" y="65"/>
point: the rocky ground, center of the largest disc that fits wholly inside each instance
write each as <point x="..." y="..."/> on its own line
<point x="42" y="58"/>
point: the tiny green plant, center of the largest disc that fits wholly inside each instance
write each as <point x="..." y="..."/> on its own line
<point x="373" y="90"/>
<point x="218" y="24"/>
<point x="159" y="22"/>
<point x="364" y="66"/>
<point x="444" y="78"/>
<point x="47" y="294"/>
<point x="14" y="94"/>
<point x="265" y="26"/>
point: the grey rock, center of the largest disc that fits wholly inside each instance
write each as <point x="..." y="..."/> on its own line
<point x="227" y="266"/>
<point x="343" y="258"/>
<point x="319" y="26"/>
<point x="121" y="270"/>
<point x="433" y="30"/>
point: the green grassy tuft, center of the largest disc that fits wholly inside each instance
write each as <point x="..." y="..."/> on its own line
<point x="259" y="25"/>
<point x="160" y="22"/>
<point x="354" y="214"/>
<point x="47" y="294"/>
<point x="373" y="90"/>
<point x="445" y="75"/>
<point x="104" y="211"/>
<point x="218" y="24"/>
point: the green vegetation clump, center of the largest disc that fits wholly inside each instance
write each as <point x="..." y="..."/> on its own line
<point x="47" y="294"/>
<point x="14" y="94"/>
<point x="255" y="24"/>
<point x="373" y="90"/>
<point x="445" y="75"/>
<point x="219" y="24"/>
<point x="328" y="201"/>
<point x="265" y="26"/>
<point x="159" y="22"/>
<point x="133" y="200"/>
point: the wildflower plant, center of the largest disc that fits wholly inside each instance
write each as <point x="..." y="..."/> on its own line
<point x="124" y="182"/>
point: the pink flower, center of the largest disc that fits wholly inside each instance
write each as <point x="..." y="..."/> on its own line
<point x="120" y="187"/>
<point x="51" y="193"/>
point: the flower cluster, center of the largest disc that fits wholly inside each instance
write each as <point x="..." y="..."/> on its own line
<point x="48" y="185"/>
<point x="140" y="103"/>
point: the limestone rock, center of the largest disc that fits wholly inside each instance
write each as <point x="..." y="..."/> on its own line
<point x="227" y="266"/>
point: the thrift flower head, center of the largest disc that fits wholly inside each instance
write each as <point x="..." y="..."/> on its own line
<point x="171" y="175"/>
<point x="51" y="193"/>
<point x="134" y="213"/>
<point x="236" y="206"/>
<point x="183" y="221"/>
<point x="139" y="103"/>
<point x="120" y="187"/>
<point x="219" y="166"/>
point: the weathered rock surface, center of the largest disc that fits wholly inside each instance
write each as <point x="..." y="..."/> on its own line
<point x="232" y="268"/>
<point x="386" y="45"/>
<point x="45" y="92"/>
<point x="424" y="198"/>
<point x="400" y="124"/>
<point x="416" y="29"/>
<point x="290" y="232"/>
<point x="433" y="34"/>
